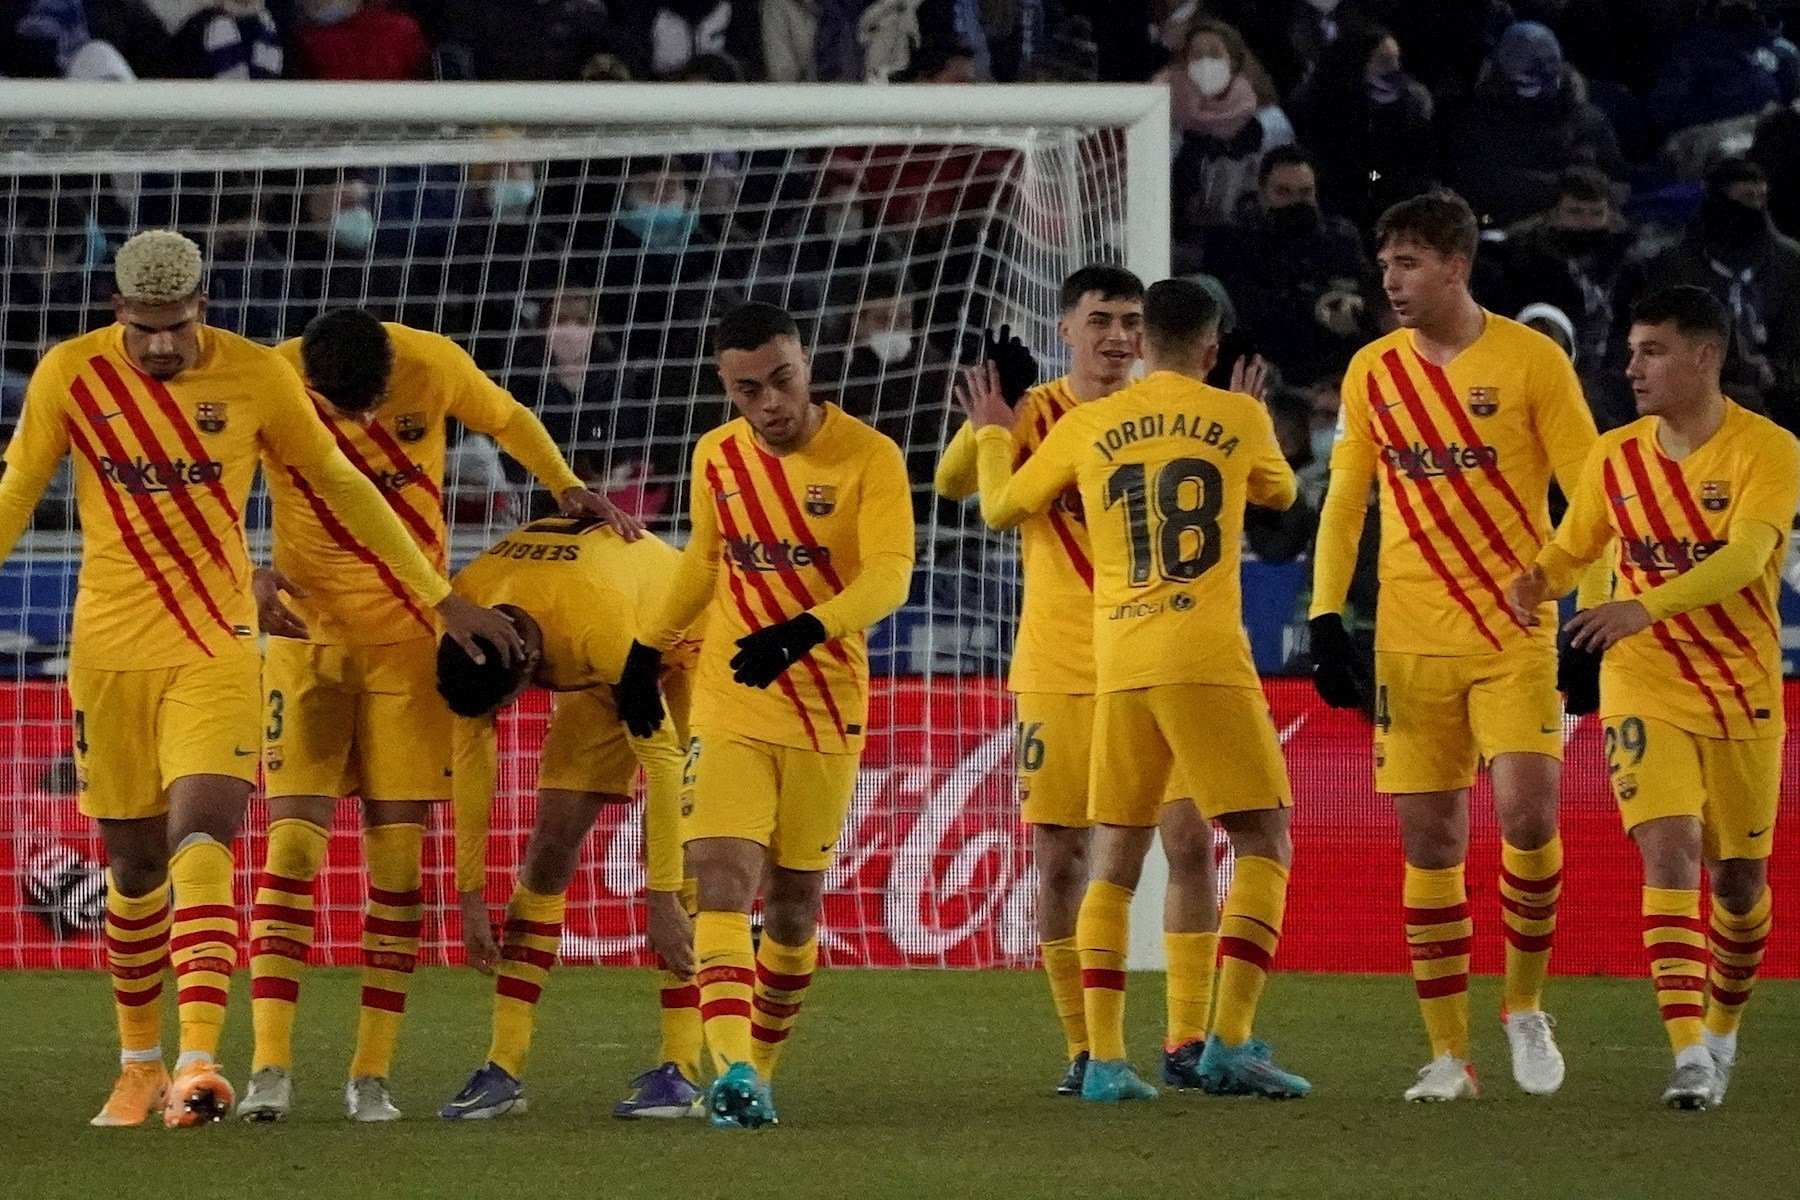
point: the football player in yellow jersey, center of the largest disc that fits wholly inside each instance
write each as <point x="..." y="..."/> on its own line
<point x="167" y="418"/>
<point x="1692" y="505"/>
<point x="1165" y="468"/>
<point x="1052" y="678"/>
<point x="578" y="592"/>
<point x="802" y="538"/>
<point x="1465" y="416"/>
<point x="352" y="707"/>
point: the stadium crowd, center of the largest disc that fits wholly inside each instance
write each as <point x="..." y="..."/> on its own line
<point x="1608" y="147"/>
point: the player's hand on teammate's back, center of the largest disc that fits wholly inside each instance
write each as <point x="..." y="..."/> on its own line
<point x="670" y="932"/>
<point x="478" y="932"/>
<point x="762" y="656"/>
<point x="636" y="695"/>
<point x="1337" y="674"/>
<point x="465" y="621"/>
<point x="1604" y="626"/>
<point x="1577" y="676"/>
<point x="1250" y="375"/>
<point x="1014" y="364"/>
<point x="979" y="395"/>
<point x="585" y="502"/>
<point x="276" y="618"/>
<point x="1526" y="593"/>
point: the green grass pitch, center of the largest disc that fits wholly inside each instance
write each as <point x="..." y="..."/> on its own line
<point x="917" y="1084"/>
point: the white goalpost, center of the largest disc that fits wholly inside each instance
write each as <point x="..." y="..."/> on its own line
<point x="579" y="240"/>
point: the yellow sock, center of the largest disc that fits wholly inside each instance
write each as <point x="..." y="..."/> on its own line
<point x="203" y="942"/>
<point x="1102" y="933"/>
<point x="281" y="935"/>
<point x="1438" y="933"/>
<point x="1249" y="933"/>
<point x="530" y="939"/>
<point x="1737" y="950"/>
<point x="783" y="973"/>
<point x="390" y="942"/>
<point x="727" y="980"/>
<point x="1191" y="962"/>
<point x="137" y="954"/>
<point x="683" y="1034"/>
<point x="1676" y="944"/>
<point x="1530" y="884"/>
<point x="1062" y="967"/>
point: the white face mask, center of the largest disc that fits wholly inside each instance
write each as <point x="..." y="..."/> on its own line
<point x="571" y="342"/>
<point x="1211" y="75"/>
<point x="1324" y="6"/>
<point x="891" y="346"/>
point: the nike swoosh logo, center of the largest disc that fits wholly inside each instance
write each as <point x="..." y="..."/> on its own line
<point x="102" y="418"/>
<point x="722" y="497"/>
<point x="241" y="752"/>
<point x="1756" y="833"/>
<point x="1624" y="500"/>
<point x="1550" y="729"/>
<point x="1389" y="407"/>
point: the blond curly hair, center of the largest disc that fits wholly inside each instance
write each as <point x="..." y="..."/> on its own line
<point x="158" y="266"/>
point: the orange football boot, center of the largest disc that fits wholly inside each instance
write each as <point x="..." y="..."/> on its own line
<point x="200" y="1095"/>
<point x="138" y="1093"/>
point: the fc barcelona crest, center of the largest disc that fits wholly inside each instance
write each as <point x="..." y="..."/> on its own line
<point x="210" y="417"/>
<point x="1484" y="401"/>
<point x="1715" y="495"/>
<point x="821" y="499"/>
<point x="409" y="427"/>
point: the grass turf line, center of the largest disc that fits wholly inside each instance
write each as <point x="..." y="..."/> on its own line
<point x="919" y="1083"/>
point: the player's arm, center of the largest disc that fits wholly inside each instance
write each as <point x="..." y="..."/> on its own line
<point x="1338" y="674"/>
<point x="662" y="757"/>
<point x="37" y="446"/>
<point x="884" y="534"/>
<point x="1580" y="540"/>
<point x="1271" y="483"/>
<point x="473" y="764"/>
<point x="956" y="477"/>
<point x="1565" y="424"/>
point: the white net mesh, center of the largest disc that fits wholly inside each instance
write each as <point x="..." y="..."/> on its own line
<point x="582" y="267"/>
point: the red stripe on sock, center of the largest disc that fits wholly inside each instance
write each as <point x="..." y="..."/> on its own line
<point x="1723" y="996"/>
<point x="775" y="981"/>
<point x="119" y="945"/>
<point x="280" y="947"/>
<point x="202" y="995"/>
<point x="1674" y="1012"/>
<point x="390" y="928"/>
<point x="303" y="917"/>
<point x="1680" y="950"/>
<point x="763" y="1033"/>
<point x="1680" y="983"/>
<point x="1447" y="948"/>
<point x="1521" y="884"/>
<point x="1246" y="950"/>
<point x="385" y="999"/>
<point x="544" y="929"/>
<point x="514" y="988"/>
<point x="739" y="975"/>
<point x="273" y="987"/>
<point x="681" y="997"/>
<point x="207" y="912"/>
<point x="1099" y="977"/>
<point x="724" y="1008"/>
<point x="1437" y="916"/>
<point x="541" y="959"/>
<point x="1731" y="946"/>
<point x="141" y="971"/>
<point x="138" y="999"/>
<point x="1531" y="943"/>
<point x="1449" y="985"/>
<point x="397" y="899"/>
<point x="129" y="924"/>
<point x="390" y="960"/>
<point x="201" y="937"/>
<point x="770" y="1008"/>
<point x="285" y="883"/>
<point x="1528" y="912"/>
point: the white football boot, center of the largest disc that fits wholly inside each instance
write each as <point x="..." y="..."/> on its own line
<point x="1536" y="1062"/>
<point x="1446" y="1077"/>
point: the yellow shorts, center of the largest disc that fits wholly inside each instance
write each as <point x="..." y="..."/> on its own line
<point x="586" y="749"/>
<point x="1056" y="734"/>
<point x="1218" y="742"/>
<point x="1732" y="786"/>
<point x="136" y="732"/>
<point x="355" y="721"/>
<point x="789" y="800"/>
<point x="1438" y="717"/>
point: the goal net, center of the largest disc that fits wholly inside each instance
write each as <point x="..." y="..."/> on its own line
<point x="579" y="242"/>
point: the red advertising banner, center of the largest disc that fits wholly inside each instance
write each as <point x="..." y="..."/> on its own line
<point x="933" y="868"/>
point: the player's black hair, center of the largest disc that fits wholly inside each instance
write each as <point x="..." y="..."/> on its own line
<point x="1179" y="312"/>
<point x="1113" y="283"/>
<point x="1439" y="220"/>
<point x="1290" y="155"/>
<point x="754" y="325"/>
<point x="474" y="689"/>
<point x="348" y="358"/>
<point x="1694" y="311"/>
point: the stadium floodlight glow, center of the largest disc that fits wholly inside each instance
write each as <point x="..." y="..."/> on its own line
<point x="579" y="239"/>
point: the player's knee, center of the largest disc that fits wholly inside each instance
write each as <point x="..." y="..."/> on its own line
<point x="549" y="865"/>
<point x="1739" y="883"/>
<point x="138" y="874"/>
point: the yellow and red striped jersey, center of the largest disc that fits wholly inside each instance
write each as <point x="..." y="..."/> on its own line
<point x="1466" y="454"/>
<point x="825" y="529"/>
<point x="1716" y="670"/>
<point x="162" y="471"/>
<point x="352" y="596"/>
<point x="1165" y="467"/>
<point x="1054" y="649"/>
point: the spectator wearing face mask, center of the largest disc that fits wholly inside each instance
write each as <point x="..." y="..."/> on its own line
<point x="233" y="39"/>
<point x="1299" y="278"/>
<point x="334" y="251"/>
<point x="500" y="253"/>
<point x="1732" y="63"/>
<point x="359" y="39"/>
<point x="1215" y="115"/>
<point x="1530" y="120"/>
<point x="1369" y="125"/>
<point x="818" y="240"/>
<point x="1732" y="250"/>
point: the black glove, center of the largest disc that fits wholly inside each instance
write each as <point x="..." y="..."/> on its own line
<point x="762" y="656"/>
<point x="636" y="695"/>
<point x="1337" y="674"/>
<point x="1577" y="677"/>
<point x="1018" y="368"/>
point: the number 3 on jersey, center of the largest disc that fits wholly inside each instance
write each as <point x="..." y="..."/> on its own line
<point x="1173" y="525"/>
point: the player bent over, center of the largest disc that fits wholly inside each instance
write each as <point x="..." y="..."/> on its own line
<point x="167" y="418"/>
<point x="349" y="679"/>
<point x="802" y="539"/>
<point x="1693" y="504"/>
<point x="1165" y="468"/>
<point x="577" y="592"/>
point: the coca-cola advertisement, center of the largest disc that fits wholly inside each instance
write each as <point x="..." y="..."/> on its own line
<point x="933" y="868"/>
